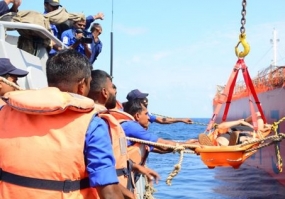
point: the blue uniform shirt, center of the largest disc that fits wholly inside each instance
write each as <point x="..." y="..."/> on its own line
<point x="89" y="20"/>
<point x="98" y="152"/>
<point x="68" y="38"/>
<point x="135" y="130"/>
<point x="96" y="48"/>
<point x="152" y="118"/>
<point x="54" y="31"/>
<point x="4" y="8"/>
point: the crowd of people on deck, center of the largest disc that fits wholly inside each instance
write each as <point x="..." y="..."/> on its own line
<point x="69" y="140"/>
<point x="81" y="36"/>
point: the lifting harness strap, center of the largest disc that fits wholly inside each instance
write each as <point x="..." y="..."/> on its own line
<point x="227" y="94"/>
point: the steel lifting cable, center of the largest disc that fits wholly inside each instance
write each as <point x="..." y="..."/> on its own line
<point x="243" y="20"/>
<point x="226" y="96"/>
<point x="242" y="36"/>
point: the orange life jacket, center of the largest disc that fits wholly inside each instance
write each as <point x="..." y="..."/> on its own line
<point x="2" y="103"/>
<point x="119" y="105"/>
<point x="119" y="144"/>
<point x="138" y="152"/>
<point x="42" y="136"/>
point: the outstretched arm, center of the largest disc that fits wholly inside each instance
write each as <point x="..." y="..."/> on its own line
<point x="90" y="19"/>
<point x="166" y="120"/>
<point x="164" y="149"/>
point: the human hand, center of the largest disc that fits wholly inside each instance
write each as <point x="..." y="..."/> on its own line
<point x="187" y="121"/>
<point x="17" y="3"/>
<point x="192" y="141"/>
<point x="152" y="175"/>
<point x="149" y="173"/>
<point x="78" y="35"/>
<point x="99" y="15"/>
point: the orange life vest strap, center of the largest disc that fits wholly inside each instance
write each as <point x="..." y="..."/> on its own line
<point x="36" y="183"/>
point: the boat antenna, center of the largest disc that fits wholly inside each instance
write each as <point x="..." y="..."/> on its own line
<point x="111" y="48"/>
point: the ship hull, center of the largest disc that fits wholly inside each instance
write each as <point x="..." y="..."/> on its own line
<point x="274" y="109"/>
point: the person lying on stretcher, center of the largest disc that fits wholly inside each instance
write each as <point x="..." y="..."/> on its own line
<point x="235" y="132"/>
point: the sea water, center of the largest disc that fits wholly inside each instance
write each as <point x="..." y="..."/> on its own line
<point x="195" y="180"/>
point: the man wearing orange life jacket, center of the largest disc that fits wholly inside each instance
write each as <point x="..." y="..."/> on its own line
<point x="102" y="91"/>
<point x="11" y="73"/>
<point x="57" y="147"/>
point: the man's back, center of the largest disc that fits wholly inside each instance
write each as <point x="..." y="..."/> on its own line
<point x="49" y="144"/>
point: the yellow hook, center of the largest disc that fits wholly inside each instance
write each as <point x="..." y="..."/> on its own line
<point x="242" y="40"/>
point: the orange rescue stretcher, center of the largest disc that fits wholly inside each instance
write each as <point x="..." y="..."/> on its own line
<point x="225" y="156"/>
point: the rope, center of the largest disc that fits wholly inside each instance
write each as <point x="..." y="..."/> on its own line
<point x="9" y="83"/>
<point x="178" y="148"/>
<point x="275" y="124"/>
<point x="188" y="146"/>
<point x="274" y="139"/>
<point x="161" y="115"/>
<point x="177" y="167"/>
<point x="277" y="146"/>
<point x="198" y="123"/>
<point x="149" y="190"/>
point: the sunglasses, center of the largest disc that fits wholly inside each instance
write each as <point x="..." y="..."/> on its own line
<point x="99" y="31"/>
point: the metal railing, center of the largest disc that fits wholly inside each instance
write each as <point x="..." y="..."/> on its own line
<point x="17" y="25"/>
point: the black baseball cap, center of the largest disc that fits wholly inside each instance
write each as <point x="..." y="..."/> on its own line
<point x="136" y="94"/>
<point x="6" y="67"/>
<point x="53" y="2"/>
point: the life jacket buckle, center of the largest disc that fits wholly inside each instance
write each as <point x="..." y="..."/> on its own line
<point x="67" y="186"/>
<point x="125" y="172"/>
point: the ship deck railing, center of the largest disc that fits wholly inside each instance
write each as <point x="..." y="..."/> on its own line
<point x="268" y="79"/>
<point x="4" y="26"/>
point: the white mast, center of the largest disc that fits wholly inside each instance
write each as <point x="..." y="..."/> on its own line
<point x="274" y="43"/>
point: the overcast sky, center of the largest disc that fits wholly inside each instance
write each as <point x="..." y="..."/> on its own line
<point x="178" y="51"/>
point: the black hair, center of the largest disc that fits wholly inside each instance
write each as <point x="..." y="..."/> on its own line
<point x="67" y="67"/>
<point x="99" y="78"/>
<point x="133" y="107"/>
<point x="143" y="101"/>
<point x="94" y="26"/>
